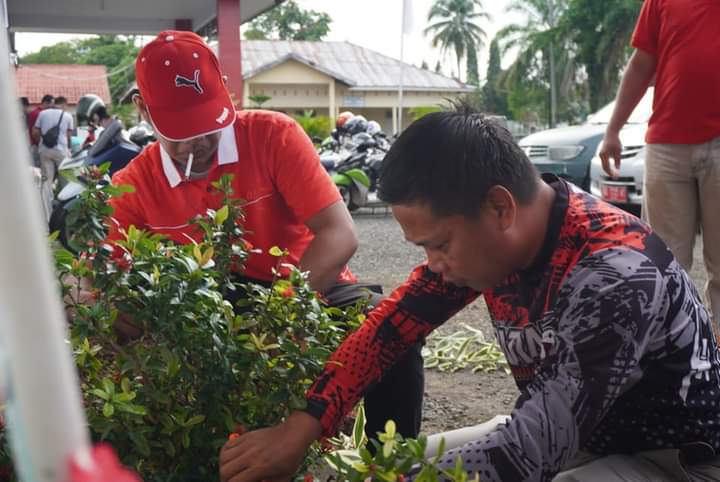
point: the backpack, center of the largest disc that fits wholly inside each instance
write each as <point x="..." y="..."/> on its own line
<point x="51" y="136"/>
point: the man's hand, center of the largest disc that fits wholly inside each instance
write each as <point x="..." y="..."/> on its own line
<point x="81" y="292"/>
<point x="611" y="149"/>
<point x="272" y="454"/>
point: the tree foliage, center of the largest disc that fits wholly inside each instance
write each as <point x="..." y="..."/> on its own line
<point x="494" y="100"/>
<point x="600" y="33"/>
<point x="116" y="52"/>
<point x="288" y="21"/>
<point x="588" y="42"/>
<point x="472" y="74"/>
<point x="453" y="26"/>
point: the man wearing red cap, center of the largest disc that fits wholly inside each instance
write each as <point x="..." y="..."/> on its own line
<point x="289" y="200"/>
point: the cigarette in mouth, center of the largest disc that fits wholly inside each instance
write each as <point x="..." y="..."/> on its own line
<point x="188" y="167"/>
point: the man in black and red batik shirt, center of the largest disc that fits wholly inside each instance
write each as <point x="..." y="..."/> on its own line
<point x="605" y="334"/>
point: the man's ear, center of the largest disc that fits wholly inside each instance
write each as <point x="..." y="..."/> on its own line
<point x="502" y="206"/>
<point x="141" y="107"/>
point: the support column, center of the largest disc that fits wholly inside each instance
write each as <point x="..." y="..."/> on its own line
<point x="332" y="105"/>
<point x="395" y="129"/>
<point x="229" y="48"/>
<point x="246" y="93"/>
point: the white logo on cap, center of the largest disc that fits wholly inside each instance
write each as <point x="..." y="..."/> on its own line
<point x="223" y="116"/>
<point x="181" y="81"/>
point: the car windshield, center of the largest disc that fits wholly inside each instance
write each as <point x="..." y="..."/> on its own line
<point x="641" y="114"/>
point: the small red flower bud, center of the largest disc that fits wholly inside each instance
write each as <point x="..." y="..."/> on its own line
<point x="289" y="292"/>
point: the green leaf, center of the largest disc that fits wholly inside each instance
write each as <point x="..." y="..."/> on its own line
<point x="275" y="251"/>
<point x="359" y="427"/>
<point x="168" y="447"/>
<point x="390" y="428"/>
<point x="388" y="476"/>
<point x="108" y="385"/>
<point x="99" y="393"/>
<point x="124" y="397"/>
<point x="197" y="419"/>
<point x="108" y="409"/>
<point x="131" y="408"/>
<point x="221" y="215"/>
<point x="63" y="256"/>
<point x="388" y="448"/>
<point x="140" y="442"/>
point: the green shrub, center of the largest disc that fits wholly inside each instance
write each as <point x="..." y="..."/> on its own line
<point x="317" y="127"/>
<point x="167" y="399"/>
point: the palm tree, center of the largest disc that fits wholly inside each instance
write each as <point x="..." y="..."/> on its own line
<point x="538" y="44"/>
<point x="601" y="34"/>
<point x="455" y="27"/>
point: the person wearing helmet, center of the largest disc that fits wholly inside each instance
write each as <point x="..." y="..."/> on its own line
<point x="110" y="128"/>
<point x="289" y="199"/>
<point x="87" y="105"/>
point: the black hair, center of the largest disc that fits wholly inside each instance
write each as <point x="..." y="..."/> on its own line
<point x="60" y="100"/>
<point x="47" y="99"/>
<point x="450" y="160"/>
<point x="24" y="101"/>
<point x="101" y="112"/>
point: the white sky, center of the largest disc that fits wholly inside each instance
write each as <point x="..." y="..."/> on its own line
<point x="374" y="24"/>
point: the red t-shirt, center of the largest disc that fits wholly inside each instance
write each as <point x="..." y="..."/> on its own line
<point x="684" y="37"/>
<point x="276" y="172"/>
<point x="32" y="118"/>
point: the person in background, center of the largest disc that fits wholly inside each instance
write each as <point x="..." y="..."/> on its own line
<point x="289" y="199"/>
<point x="52" y="154"/>
<point x="45" y="103"/>
<point x="678" y="43"/>
<point x="603" y="331"/>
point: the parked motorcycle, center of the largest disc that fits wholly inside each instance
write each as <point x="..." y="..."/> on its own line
<point x="357" y="172"/>
<point x="112" y="146"/>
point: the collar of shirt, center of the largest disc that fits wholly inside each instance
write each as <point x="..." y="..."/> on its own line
<point x="227" y="153"/>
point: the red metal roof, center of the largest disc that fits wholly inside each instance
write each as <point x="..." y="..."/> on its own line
<point x="69" y="80"/>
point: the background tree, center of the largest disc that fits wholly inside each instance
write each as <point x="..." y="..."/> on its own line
<point x="453" y="26"/>
<point x="288" y="21"/>
<point x="116" y="52"/>
<point x="472" y="74"/>
<point x="494" y="100"/>
<point x="600" y="32"/>
<point x="541" y="53"/>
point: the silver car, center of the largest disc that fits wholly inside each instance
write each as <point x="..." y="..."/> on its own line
<point x="567" y="151"/>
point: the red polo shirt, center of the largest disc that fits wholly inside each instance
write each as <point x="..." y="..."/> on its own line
<point x="32" y="118"/>
<point x="684" y="37"/>
<point x="276" y="172"/>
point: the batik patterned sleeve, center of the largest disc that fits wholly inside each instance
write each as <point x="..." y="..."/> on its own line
<point x="420" y="305"/>
<point x="594" y="337"/>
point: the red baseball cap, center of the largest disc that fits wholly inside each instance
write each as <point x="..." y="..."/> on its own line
<point x="179" y="79"/>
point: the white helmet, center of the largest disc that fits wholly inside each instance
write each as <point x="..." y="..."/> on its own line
<point x="373" y="128"/>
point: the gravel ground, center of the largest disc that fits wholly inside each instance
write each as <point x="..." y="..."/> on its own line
<point x="452" y="400"/>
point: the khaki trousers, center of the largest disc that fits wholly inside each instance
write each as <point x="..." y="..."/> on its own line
<point x="50" y="159"/>
<point x="681" y="197"/>
<point x="666" y="465"/>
